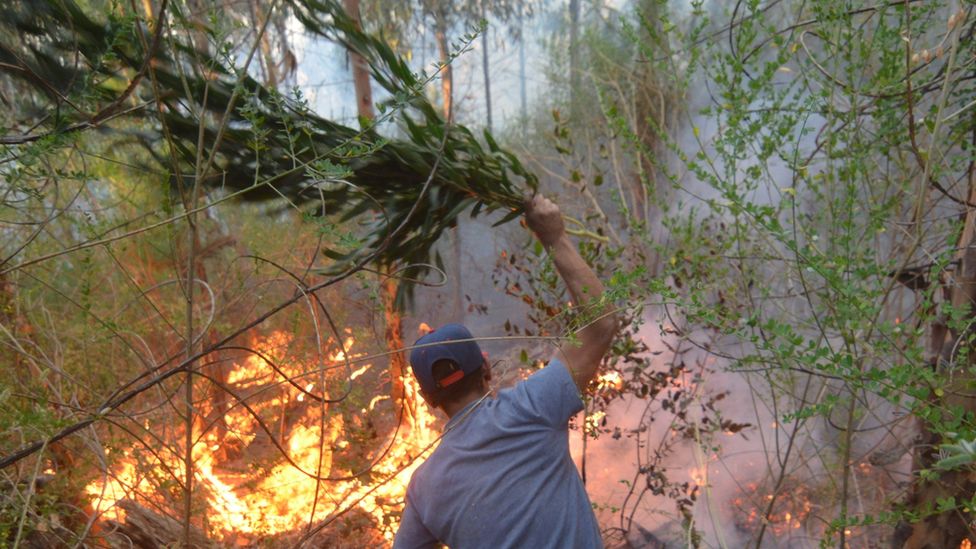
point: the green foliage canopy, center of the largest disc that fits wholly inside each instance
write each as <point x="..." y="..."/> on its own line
<point x="201" y="115"/>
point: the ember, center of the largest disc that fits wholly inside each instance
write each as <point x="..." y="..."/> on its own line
<point x="789" y="510"/>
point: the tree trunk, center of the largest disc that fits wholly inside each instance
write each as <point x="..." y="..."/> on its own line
<point x="457" y="310"/>
<point x="447" y="74"/>
<point x="389" y="286"/>
<point x="394" y="342"/>
<point x="360" y="71"/>
<point x="484" y="66"/>
<point x="188" y="199"/>
<point x="267" y="58"/>
<point x="574" y="73"/>
<point x="653" y="100"/>
<point x="522" y="95"/>
<point x="948" y="529"/>
<point x="447" y="86"/>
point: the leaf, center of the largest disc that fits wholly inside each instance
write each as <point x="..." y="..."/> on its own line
<point x="508" y="217"/>
<point x="492" y="145"/>
<point x="954" y="462"/>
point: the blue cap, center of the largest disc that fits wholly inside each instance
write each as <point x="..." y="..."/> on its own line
<point x="442" y="344"/>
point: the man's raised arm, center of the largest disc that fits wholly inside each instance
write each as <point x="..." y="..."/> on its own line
<point x="593" y="340"/>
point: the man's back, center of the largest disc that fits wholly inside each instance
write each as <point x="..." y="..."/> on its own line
<point x="502" y="475"/>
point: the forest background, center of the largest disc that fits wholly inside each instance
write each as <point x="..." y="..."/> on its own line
<point x="223" y="222"/>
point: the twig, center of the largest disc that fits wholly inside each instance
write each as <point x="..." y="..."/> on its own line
<point x="111" y="110"/>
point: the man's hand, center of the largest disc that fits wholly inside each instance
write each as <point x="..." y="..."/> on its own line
<point x="544" y="218"/>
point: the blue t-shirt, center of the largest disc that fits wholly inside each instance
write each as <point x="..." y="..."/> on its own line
<point x="502" y="475"/>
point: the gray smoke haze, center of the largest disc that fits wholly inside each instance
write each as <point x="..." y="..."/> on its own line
<point x="736" y="472"/>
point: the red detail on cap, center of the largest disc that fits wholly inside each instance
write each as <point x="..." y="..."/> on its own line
<point x="451" y="379"/>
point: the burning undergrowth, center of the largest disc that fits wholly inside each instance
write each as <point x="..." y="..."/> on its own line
<point x="675" y="456"/>
<point x="756" y="508"/>
<point x="283" y="459"/>
<point x="794" y="509"/>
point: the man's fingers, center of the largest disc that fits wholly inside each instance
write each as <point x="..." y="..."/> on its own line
<point x="541" y="212"/>
<point x="532" y="203"/>
<point x="544" y="205"/>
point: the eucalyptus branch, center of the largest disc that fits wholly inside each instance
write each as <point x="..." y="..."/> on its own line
<point x="112" y="110"/>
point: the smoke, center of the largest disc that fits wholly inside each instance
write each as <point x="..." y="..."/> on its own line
<point x="719" y="463"/>
<point x="776" y="467"/>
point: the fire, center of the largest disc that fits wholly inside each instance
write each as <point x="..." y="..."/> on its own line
<point x="610" y="380"/>
<point x="246" y="501"/>
<point x="593" y="421"/>
<point x="359" y="372"/>
<point x="118" y="486"/>
<point x="789" y="512"/>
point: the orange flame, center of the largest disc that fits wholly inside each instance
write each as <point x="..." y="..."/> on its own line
<point x="243" y="499"/>
<point x="610" y="380"/>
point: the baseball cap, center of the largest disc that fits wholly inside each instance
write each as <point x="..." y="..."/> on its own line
<point x="442" y="344"/>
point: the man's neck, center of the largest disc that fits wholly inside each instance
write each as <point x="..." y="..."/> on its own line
<point x="452" y="408"/>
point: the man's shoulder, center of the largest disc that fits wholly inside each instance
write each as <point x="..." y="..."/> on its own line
<point x="421" y="476"/>
<point x="554" y="370"/>
<point x="420" y="473"/>
<point x="548" y="396"/>
<point x="554" y="378"/>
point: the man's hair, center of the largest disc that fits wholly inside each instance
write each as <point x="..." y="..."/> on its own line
<point x="459" y="389"/>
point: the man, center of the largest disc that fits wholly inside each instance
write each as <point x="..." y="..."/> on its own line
<point x="502" y="476"/>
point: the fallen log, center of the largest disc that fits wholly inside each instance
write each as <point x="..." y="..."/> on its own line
<point x="148" y="529"/>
